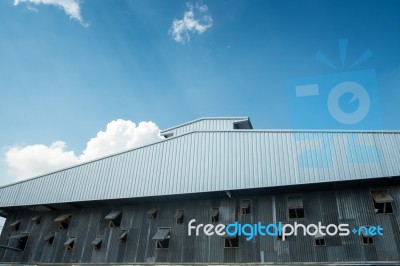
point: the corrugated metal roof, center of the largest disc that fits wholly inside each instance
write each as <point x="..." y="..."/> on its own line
<point x="202" y="161"/>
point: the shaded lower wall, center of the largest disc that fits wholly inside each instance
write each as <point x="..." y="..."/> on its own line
<point x="345" y="206"/>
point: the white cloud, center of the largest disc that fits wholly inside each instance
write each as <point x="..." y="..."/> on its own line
<point x="195" y="20"/>
<point x="37" y="159"/>
<point x="70" y="7"/>
<point x="120" y="135"/>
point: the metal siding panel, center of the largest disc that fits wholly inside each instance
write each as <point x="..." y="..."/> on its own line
<point x="178" y="154"/>
<point x="41" y="185"/>
<point x="125" y="176"/>
<point x="99" y="179"/>
<point x="83" y="177"/>
<point x="132" y="171"/>
<point x="58" y="180"/>
<point x="34" y="187"/>
<point x="21" y="188"/>
<point x="156" y="182"/>
<point x="13" y="194"/>
<point x="101" y="188"/>
<point x="210" y="161"/>
<point x="110" y="179"/>
<point x="69" y="181"/>
<point x="121" y="164"/>
<point x="116" y="175"/>
<point x="6" y="196"/>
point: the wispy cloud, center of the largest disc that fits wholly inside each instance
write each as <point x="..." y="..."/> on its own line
<point x="195" y="20"/>
<point x="71" y="7"/>
<point x="32" y="160"/>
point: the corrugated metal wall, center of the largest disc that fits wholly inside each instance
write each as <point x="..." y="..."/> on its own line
<point x="352" y="206"/>
<point x="216" y="161"/>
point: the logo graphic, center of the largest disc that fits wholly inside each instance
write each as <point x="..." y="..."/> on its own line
<point x="345" y="100"/>
<point x="280" y="229"/>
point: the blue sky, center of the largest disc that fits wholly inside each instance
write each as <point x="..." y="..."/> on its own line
<point x="61" y="79"/>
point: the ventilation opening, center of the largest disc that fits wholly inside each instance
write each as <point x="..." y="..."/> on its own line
<point x="231" y="241"/>
<point x="320" y="241"/>
<point x="295" y="206"/>
<point x="114" y="218"/>
<point x="122" y="237"/>
<point x="366" y="238"/>
<point x="97" y="243"/>
<point x="15" y="225"/>
<point x="167" y="135"/>
<point x="295" y="213"/>
<point x="153" y="213"/>
<point x="21" y="238"/>
<point x="70" y="244"/>
<point x="179" y="216"/>
<point x="382" y="201"/>
<point x="162" y="237"/>
<point x="245" y="207"/>
<point x="214" y="215"/>
<point x="36" y="219"/>
<point x="163" y="244"/>
<point x="63" y="220"/>
<point x="49" y="239"/>
<point x="21" y="243"/>
<point x="280" y="232"/>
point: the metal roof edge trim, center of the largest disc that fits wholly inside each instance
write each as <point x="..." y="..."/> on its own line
<point x="242" y="118"/>
<point x="206" y="131"/>
<point x="205" y="191"/>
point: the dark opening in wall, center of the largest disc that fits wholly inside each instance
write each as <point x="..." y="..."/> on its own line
<point x="97" y="243"/>
<point x="123" y="236"/>
<point x="15" y="225"/>
<point x="382" y="201"/>
<point x="21" y="238"/>
<point x="63" y="220"/>
<point x="114" y="218"/>
<point x="295" y="206"/>
<point x="179" y="216"/>
<point x="231" y="241"/>
<point x="36" y="219"/>
<point x="70" y="244"/>
<point x="22" y="242"/>
<point x="280" y="232"/>
<point x="162" y="237"/>
<point x="319" y="240"/>
<point x="153" y="212"/>
<point x="245" y="206"/>
<point x="49" y="238"/>
<point x="366" y="239"/>
<point x="214" y="215"/>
